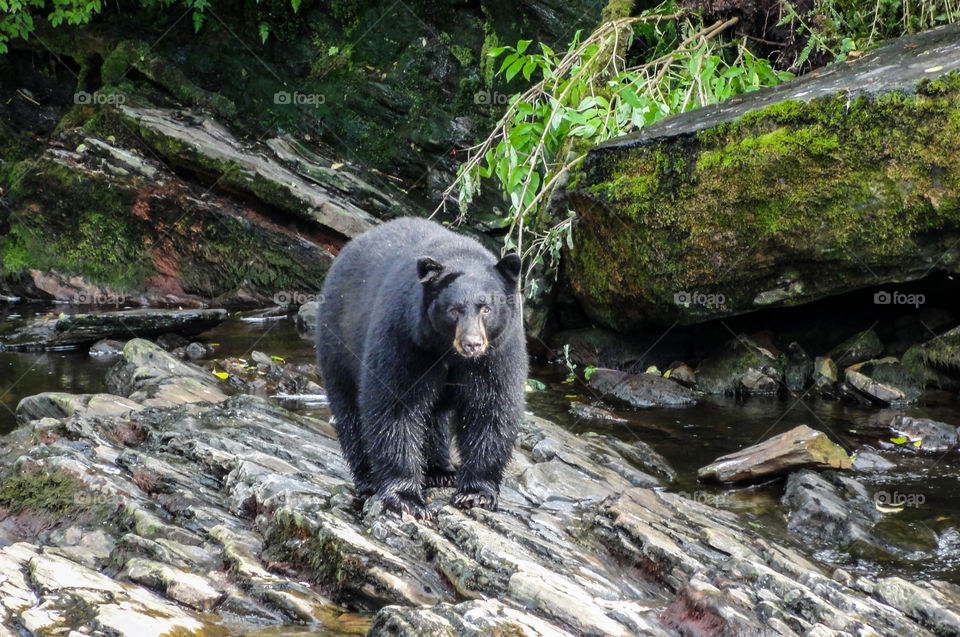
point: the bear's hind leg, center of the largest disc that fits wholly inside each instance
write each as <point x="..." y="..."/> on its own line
<point x="439" y="472"/>
<point x="343" y="403"/>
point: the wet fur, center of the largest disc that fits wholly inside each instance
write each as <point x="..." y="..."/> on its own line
<point x="397" y="379"/>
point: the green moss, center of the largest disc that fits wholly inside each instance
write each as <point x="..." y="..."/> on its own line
<point x="90" y="230"/>
<point x="44" y="492"/>
<point x="850" y="184"/>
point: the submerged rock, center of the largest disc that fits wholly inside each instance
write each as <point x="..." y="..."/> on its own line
<point x="641" y="390"/>
<point x="69" y="331"/>
<point x="106" y="350"/>
<point x="932" y="435"/>
<point x="798" y="448"/>
<point x="592" y="412"/>
<point x="837" y="512"/>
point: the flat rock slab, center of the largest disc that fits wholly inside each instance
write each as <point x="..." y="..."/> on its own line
<point x="641" y="390"/>
<point x="71" y="331"/>
<point x="798" y="448"/>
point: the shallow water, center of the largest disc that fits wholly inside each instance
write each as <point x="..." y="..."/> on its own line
<point x="688" y="437"/>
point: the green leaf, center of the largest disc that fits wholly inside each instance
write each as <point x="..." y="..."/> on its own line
<point x="507" y="61"/>
<point x="535" y="385"/>
<point x="514" y="69"/>
<point x="296" y="5"/>
<point x="494" y="52"/>
<point x="522" y="46"/>
<point x="529" y="68"/>
<point x="898" y="440"/>
<point x="264" y="32"/>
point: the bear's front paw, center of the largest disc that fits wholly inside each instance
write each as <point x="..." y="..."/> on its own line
<point x="407" y="504"/>
<point x="441" y="477"/>
<point x="470" y="499"/>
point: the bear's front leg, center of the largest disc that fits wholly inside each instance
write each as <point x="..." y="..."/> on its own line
<point x="487" y="418"/>
<point x="393" y="412"/>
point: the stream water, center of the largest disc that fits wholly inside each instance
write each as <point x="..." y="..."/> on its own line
<point x="689" y="438"/>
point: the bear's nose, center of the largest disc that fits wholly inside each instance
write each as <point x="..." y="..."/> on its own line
<point x="472" y="345"/>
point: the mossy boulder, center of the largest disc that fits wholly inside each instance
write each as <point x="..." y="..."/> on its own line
<point x="833" y="182"/>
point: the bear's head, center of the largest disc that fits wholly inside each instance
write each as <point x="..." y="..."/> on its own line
<point x="470" y="306"/>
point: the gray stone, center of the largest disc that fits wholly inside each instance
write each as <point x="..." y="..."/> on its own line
<point x="70" y="331"/>
<point x="798" y="448"/>
<point x="932" y="435"/>
<point x="641" y="390"/>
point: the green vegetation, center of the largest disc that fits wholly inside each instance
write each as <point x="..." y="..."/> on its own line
<point x="597" y="90"/>
<point x="840" y="28"/>
<point x="18" y="18"/>
<point x="47" y="492"/>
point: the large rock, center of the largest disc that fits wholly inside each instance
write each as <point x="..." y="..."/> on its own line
<point x="798" y="448"/>
<point x="776" y="197"/>
<point x="641" y="390"/>
<point x="69" y="331"/>
<point x="200" y="143"/>
<point x="153" y="377"/>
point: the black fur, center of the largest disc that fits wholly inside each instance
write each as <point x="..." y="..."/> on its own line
<point x="420" y="330"/>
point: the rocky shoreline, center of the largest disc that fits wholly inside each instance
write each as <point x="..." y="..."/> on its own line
<point x="173" y="506"/>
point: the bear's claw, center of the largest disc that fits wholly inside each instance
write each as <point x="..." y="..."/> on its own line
<point x="442" y="478"/>
<point x="469" y="500"/>
<point x="406" y="505"/>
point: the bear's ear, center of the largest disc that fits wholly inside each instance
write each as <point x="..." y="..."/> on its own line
<point x="509" y="267"/>
<point x="428" y="269"/>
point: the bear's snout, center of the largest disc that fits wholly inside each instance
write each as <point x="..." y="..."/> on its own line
<point x="472" y="341"/>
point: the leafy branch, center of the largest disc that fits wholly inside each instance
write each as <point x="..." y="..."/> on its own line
<point x="588" y="95"/>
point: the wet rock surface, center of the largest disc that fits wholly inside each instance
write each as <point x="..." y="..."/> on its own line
<point x="70" y="331"/>
<point x="832" y="511"/>
<point x="197" y="516"/>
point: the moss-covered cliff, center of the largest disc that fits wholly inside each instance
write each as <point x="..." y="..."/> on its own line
<point x="836" y="181"/>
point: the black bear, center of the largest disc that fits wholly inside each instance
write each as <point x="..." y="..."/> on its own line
<point x="420" y="330"/>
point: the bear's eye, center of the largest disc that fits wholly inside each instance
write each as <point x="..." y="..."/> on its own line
<point x="454" y="312"/>
<point x="484" y="309"/>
